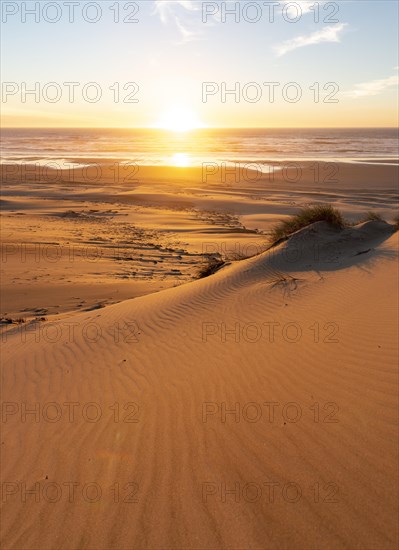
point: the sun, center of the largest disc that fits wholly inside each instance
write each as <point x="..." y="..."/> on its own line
<point x="180" y="119"/>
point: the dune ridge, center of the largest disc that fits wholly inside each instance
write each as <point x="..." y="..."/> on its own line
<point x="299" y="341"/>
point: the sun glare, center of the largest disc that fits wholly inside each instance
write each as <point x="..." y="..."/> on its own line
<point x="182" y="160"/>
<point x="180" y="119"/>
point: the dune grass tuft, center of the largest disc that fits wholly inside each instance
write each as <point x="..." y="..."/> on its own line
<point x="371" y="217"/>
<point x="306" y="217"/>
<point x="213" y="265"/>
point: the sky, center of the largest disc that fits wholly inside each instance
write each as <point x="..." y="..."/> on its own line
<point x="184" y="63"/>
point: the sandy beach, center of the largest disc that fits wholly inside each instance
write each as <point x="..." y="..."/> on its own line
<point x="146" y="406"/>
<point x="70" y="244"/>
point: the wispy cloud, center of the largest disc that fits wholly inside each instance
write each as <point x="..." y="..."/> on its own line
<point x="177" y="12"/>
<point x="328" y="34"/>
<point x="300" y="7"/>
<point x="373" y="87"/>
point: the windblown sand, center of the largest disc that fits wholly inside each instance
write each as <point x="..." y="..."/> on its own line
<point x="254" y="408"/>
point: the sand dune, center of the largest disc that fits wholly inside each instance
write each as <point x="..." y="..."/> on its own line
<point x="255" y="408"/>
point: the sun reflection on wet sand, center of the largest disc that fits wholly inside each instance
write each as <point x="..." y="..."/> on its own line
<point x="182" y="160"/>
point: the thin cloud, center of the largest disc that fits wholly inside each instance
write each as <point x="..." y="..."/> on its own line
<point x="177" y="12"/>
<point x="300" y="7"/>
<point x="374" y="87"/>
<point x="328" y="34"/>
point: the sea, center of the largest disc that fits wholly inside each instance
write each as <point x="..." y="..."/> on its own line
<point x="155" y="147"/>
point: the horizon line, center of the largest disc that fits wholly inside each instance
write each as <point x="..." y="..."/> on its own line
<point x="198" y="129"/>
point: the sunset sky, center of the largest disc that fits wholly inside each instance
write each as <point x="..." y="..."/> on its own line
<point x="171" y="52"/>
